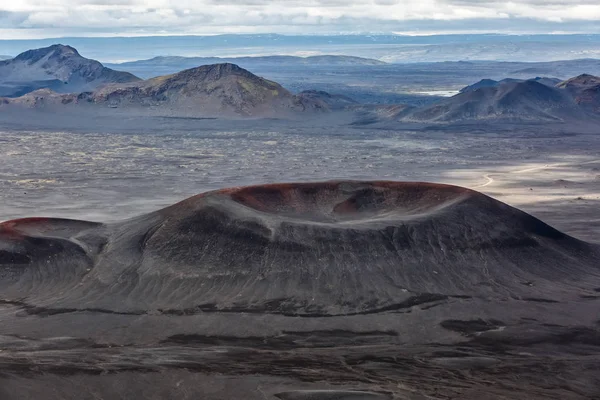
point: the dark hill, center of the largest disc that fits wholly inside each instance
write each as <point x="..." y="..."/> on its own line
<point x="513" y="101"/>
<point x="493" y="83"/>
<point x="58" y="67"/>
<point x="314" y="249"/>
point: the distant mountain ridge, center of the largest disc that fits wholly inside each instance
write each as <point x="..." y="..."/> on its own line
<point x="217" y="90"/>
<point x="163" y="65"/>
<point x="388" y="47"/>
<point x="279" y="59"/>
<point x="228" y="90"/>
<point x="493" y="83"/>
<point x="537" y="100"/>
<point x="57" y="67"/>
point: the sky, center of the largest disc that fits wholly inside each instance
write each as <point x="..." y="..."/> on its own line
<point x="25" y="19"/>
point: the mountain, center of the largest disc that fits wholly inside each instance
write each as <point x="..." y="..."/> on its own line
<point x="493" y="83"/>
<point x="512" y="101"/>
<point x="585" y="89"/>
<point x="58" y="67"/>
<point x="583" y="81"/>
<point x="211" y="90"/>
<point x="5" y="57"/>
<point x="328" y="100"/>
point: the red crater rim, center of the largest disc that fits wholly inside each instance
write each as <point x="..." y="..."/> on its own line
<point x="347" y="200"/>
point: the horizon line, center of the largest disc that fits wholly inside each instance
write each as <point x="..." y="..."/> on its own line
<point x="411" y="34"/>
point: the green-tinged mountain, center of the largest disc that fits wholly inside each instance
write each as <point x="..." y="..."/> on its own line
<point x="57" y="67"/>
<point x="220" y="89"/>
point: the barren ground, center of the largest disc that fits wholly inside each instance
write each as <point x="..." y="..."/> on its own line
<point x="111" y="169"/>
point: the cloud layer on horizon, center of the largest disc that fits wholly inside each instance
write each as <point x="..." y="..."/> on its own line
<point x="39" y="18"/>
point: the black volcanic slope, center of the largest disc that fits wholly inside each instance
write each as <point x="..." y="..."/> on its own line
<point x="376" y="282"/>
<point x="304" y="249"/>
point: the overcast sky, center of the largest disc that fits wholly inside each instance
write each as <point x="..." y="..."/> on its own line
<point x="55" y="18"/>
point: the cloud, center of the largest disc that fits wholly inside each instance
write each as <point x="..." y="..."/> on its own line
<point x="84" y="17"/>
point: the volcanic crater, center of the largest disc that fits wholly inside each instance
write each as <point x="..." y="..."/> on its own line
<point x="338" y="202"/>
<point x="345" y="290"/>
<point x="305" y="249"/>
